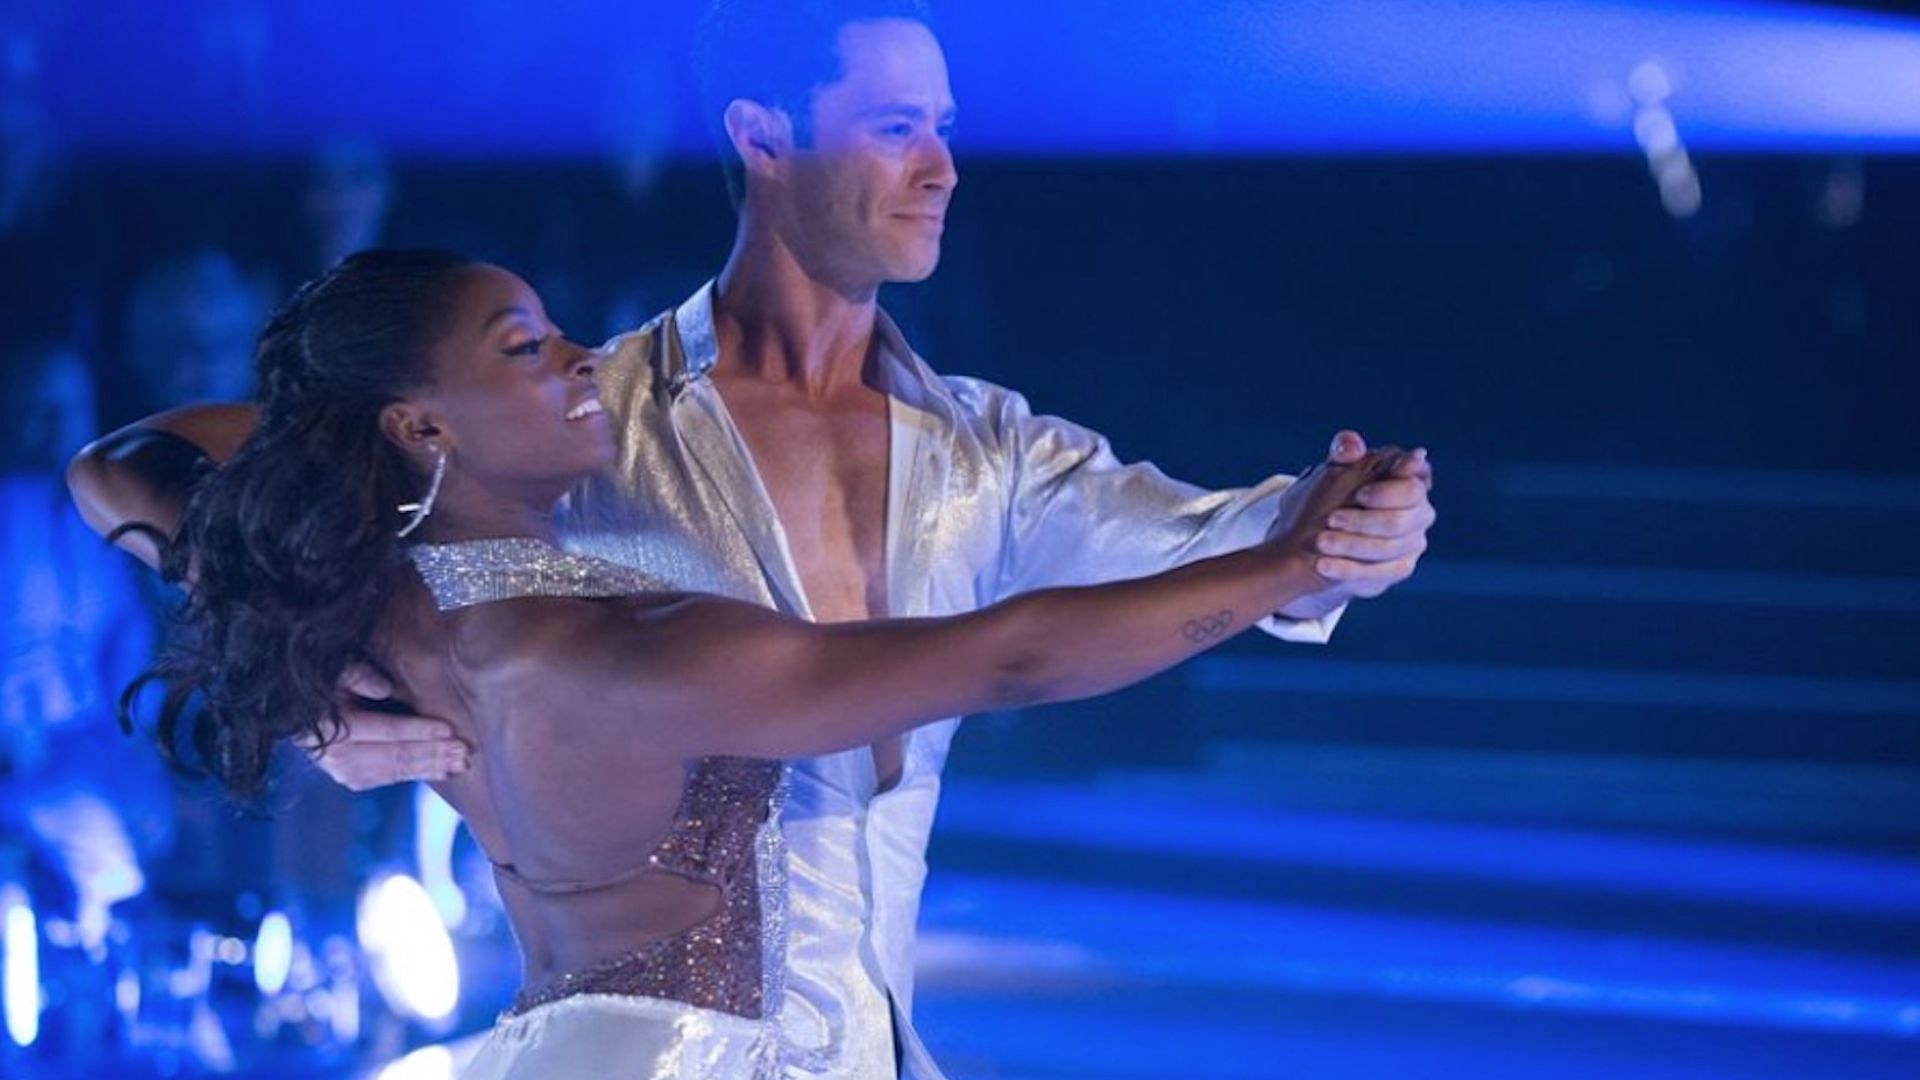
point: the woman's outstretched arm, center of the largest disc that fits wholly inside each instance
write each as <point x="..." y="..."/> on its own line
<point x="708" y="676"/>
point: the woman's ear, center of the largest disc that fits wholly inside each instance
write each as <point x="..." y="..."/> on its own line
<point x="412" y="427"/>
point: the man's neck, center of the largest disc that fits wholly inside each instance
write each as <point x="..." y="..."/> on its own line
<point x="777" y="322"/>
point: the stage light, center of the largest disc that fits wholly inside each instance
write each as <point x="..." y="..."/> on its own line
<point x="126" y="995"/>
<point x="426" y="1063"/>
<point x="1654" y="129"/>
<point x="98" y="857"/>
<point x="20" y="984"/>
<point x="1650" y="85"/>
<point x="435" y="827"/>
<point x="342" y="966"/>
<point x="273" y="953"/>
<point x="1127" y="77"/>
<point x="1682" y="197"/>
<point x="408" y="948"/>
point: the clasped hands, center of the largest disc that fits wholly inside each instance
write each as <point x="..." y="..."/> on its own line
<point x="1375" y="540"/>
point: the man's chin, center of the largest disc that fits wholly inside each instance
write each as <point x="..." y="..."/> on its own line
<point x="907" y="272"/>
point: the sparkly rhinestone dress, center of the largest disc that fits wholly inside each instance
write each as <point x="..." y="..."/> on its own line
<point x="695" y="1004"/>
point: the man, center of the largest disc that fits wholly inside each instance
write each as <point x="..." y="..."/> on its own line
<point x="780" y="442"/>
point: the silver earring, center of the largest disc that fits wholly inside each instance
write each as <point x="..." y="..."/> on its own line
<point x="424" y="507"/>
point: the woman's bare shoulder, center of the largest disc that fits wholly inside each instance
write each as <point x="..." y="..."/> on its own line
<point x="541" y="636"/>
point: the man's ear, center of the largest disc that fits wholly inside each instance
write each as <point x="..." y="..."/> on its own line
<point x="762" y="136"/>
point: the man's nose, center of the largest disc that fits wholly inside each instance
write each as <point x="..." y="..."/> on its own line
<point x="938" y="171"/>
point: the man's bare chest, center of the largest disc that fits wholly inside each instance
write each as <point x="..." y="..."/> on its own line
<point x="826" y="473"/>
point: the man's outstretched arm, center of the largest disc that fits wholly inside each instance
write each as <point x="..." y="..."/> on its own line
<point x="1078" y="515"/>
<point x="133" y="485"/>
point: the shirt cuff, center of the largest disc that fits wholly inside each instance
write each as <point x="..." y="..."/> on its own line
<point x="1303" y="631"/>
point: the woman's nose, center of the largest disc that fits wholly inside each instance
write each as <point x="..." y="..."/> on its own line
<point x="583" y="361"/>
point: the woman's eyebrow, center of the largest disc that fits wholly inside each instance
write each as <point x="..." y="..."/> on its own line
<point x="504" y="313"/>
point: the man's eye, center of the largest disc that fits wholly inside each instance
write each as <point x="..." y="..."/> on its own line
<point x="897" y="131"/>
<point x="531" y="348"/>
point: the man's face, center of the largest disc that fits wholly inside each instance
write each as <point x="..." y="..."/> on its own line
<point x="869" y="192"/>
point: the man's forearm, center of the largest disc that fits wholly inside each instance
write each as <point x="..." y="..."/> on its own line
<point x="132" y="485"/>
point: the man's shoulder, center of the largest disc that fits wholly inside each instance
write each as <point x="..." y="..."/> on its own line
<point x="965" y="398"/>
<point x="642" y="342"/>
<point x="638" y="361"/>
<point x="983" y="405"/>
<point x="972" y="398"/>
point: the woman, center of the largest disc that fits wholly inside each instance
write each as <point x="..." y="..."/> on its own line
<point x="420" y="419"/>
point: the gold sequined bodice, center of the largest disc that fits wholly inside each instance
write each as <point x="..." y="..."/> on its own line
<point x="716" y="964"/>
<point x="723" y="832"/>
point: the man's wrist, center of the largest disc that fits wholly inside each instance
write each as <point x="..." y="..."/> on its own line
<point x="1315" y="605"/>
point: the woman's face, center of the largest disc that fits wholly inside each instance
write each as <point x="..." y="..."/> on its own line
<point x="514" y="402"/>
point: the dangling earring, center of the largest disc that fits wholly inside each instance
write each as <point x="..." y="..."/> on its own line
<point x="421" y="509"/>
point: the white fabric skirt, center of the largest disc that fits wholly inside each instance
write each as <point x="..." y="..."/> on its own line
<point x="591" y="1036"/>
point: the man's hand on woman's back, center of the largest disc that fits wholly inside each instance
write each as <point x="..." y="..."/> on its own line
<point x="381" y="746"/>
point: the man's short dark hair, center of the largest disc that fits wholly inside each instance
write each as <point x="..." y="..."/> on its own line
<point x="777" y="52"/>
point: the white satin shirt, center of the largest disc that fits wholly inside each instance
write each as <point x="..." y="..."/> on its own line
<point x="985" y="500"/>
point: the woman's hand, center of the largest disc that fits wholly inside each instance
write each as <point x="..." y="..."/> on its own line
<point x="1301" y="528"/>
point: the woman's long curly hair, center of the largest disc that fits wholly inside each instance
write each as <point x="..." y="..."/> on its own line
<point x="290" y="548"/>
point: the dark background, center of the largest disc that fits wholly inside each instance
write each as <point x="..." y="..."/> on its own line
<point x="1625" y="782"/>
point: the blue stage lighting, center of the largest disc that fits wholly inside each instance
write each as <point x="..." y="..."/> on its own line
<point x="426" y="1063"/>
<point x="1064" y="78"/>
<point x="408" y="949"/>
<point x="273" y="953"/>
<point x="20" y="984"/>
<point x="436" y="826"/>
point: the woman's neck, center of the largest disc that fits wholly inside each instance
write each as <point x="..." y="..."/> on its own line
<point x="451" y="526"/>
